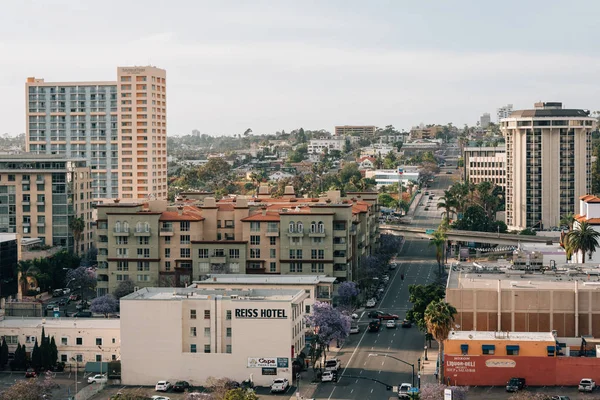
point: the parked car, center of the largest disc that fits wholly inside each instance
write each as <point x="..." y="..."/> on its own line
<point x="30" y="373"/>
<point x="181" y="386"/>
<point x="587" y="385"/>
<point x="391" y="324"/>
<point x="50" y="306"/>
<point x="63" y="302"/>
<point x="280" y="385"/>
<point x="333" y="364"/>
<point x="162" y="386"/>
<point x="98" y="378"/>
<point x="406" y="323"/>
<point x="515" y="384"/>
<point x="160" y="398"/>
<point x="75" y="297"/>
<point x="83" y="314"/>
<point x="371" y="302"/>
<point x="58" y="293"/>
<point x="560" y="398"/>
<point x="374" y="325"/>
<point x="449" y="172"/>
<point x="327" y="376"/>
<point x="404" y="390"/>
<point x="66" y="291"/>
<point x="354" y="329"/>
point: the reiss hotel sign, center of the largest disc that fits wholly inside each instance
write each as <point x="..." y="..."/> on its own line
<point x="260" y="313"/>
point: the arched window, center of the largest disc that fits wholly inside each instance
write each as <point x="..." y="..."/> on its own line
<point x="125" y="226"/>
<point x="321" y="227"/>
<point x="299" y="227"/>
<point x="313" y="227"/>
<point x="118" y="226"/>
<point x="146" y="227"/>
<point x="292" y="225"/>
<point x="138" y="227"/>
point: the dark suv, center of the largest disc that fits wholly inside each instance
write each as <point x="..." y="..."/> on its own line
<point x="515" y="384"/>
<point x="374" y="325"/>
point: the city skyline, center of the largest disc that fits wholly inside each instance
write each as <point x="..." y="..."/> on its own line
<point x="234" y="66"/>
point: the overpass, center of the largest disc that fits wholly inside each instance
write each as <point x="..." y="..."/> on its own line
<point x="467" y="236"/>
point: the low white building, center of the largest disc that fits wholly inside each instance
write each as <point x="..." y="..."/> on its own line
<point x="401" y="175"/>
<point x="80" y="339"/>
<point x="278" y="175"/>
<point x="318" y="146"/>
<point x="318" y="287"/>
<point x="192" y="334"/>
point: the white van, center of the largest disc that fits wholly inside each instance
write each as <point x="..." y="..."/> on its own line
<point x="333" y="364"/>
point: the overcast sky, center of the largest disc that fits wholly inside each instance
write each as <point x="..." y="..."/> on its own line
<point x="273" y="65"/>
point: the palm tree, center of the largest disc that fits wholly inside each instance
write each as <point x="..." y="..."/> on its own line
<point x="439" y="320"/>
<point x="584" y="239"/>
<point x="77" y="226"/>
<point x="448" y="203"/>
<point x="567" y="220"/>
<point x="439" y="240"/>
<point x="566" y="244"/>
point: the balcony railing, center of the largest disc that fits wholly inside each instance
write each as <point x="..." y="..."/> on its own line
<point x="166" y="231"/>
<point x="142" y="231"/>
<point x="121" y="232"/>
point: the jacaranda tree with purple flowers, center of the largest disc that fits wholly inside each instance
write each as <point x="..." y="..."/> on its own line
<point x="347" y="295"/>
<point x="328" y="324"/>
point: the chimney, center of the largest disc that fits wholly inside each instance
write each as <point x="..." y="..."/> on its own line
<point x="117" y="201"/>
<point x="264" y="211"/>
<point x="180" y="210"/>
<point x="210" y="202"/>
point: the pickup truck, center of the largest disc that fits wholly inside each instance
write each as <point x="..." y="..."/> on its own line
<point x="587" y="385"/>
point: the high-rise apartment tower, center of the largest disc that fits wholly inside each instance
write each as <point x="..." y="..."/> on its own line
<point x="548" y="152"/>
<point x="119" y="127"/>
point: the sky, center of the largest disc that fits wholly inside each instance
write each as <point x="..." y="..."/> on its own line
<point x="281" y="65"/>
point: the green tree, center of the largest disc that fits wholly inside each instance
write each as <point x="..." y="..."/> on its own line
<point x="527" y="232"/>
<point x="53" y="353"/>
<point x="584" y="239"/>
<point x="439" y="320"/>
<point x="36" y="357"/>
<point x="3" y="354"/>
<point x="386" y="200"/>
<point x="447" y="202"/>
<point x="77" y="226"/>
<point x="438" y="239"/>
<point x="348" y="171"/>
<point x="420" y="296"/>
<point x="567" y="220"/>
<point x="240" y="394"/>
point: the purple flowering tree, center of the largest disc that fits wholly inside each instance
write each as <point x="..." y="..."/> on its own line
<point x="435" y="391"/>
<point x="83" y="277"/>
<point x="328" y="324"/>
<point x="104" y="305"/>
<point x="347" y="295"/>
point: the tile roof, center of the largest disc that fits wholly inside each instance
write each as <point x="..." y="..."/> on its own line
<point x="190" y="213"/>
<point x="269" y="216"/>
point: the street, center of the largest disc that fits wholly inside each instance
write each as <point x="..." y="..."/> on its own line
<point x="363" y="360"/>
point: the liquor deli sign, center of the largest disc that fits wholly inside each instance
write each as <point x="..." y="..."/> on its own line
<point x="470" y="365"/>
<point x="260" y="313"/>
<point x="460" y="365"/>
<point x="268" y="362"/>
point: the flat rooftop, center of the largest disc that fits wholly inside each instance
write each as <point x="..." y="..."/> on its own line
<point x="61" y="323"/>
<point x="487" y="276"/>
<point x="491" y="336"/>
<point x="192" y="293"/>
<point x="249" y="279"/>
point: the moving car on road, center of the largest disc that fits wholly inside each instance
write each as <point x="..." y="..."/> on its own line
<point x="374" y="325"/>
<point x="587" y="385"/>
<point x="391" y="324"/>
<point x="354" y="329"/>
<point x="327" y="376"/>
<point x="388" y="316"/>
<point x="371" y="302"/>
<point x="404" y="391"/>
<point x="406" y="323"/>
<point x="333" y="364"/>
<point x="280" y="385"/>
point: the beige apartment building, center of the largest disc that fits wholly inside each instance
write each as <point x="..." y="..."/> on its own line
<point x="119" y="127"/>
<point x="548" y="159"/>
<point x="78" y="340"/>
<point x="41" y="193"/>
<point x="566" y="300"/>
<point x="317" y="287"/>
<point x="191" y="334"/>
<point x="157" y="244"/>
<point x="425" y="132"/>
<point x="485" y="164"/>
<point x="355" y="130"/>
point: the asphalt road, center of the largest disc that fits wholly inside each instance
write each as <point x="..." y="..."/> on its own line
<point x="362" y="357"/>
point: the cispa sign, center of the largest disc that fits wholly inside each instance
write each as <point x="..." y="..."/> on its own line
<point x="260" y="313"/>
<point x="500" y="363"/>
<point x="262" y="362"/>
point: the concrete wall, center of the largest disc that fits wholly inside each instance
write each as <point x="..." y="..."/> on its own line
<point x="538" y="371"/>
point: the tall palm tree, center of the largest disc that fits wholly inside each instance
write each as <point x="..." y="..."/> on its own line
<point x="439" y="320"/>
<point x="448" y="203"/>
<point x="439" y="240"/>
<point x="566" y="244"/>
<point x="567" y="220"/>
<point x="77" y="226"/>
<point x="584" y="239"/>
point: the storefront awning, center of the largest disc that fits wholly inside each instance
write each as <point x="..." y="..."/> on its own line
<point x="488" y="347"/>
<point x="512" y="348"/>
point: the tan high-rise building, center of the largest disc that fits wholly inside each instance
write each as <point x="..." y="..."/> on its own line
<point x="548" y="159"/>
<point x="118" y="127"/>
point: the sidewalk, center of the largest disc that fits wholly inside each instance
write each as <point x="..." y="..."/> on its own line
<point x="305" y="387"/>
<point x="428" y="371"/>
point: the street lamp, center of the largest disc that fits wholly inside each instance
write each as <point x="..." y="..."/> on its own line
<point x="426" y="354"/>
<point x="397" y="359"/>
<point x="76" y="367"/>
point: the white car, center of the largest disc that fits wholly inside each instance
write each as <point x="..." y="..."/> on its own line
<point x="391" y="324"/>
<point x="280" y="385"/>
<point x="333" y="364"/>
<point x="404" y="390"/>
<point x="354" y="329"/>
<point x="98" y="378"/>
<point x="371" y="303"/>
<point x="327" y="376"/>
<point x="355" y="316"/>
<point x="162" y="386"/>
<point x="155" y="397"/>
<point x="587" y="385"/>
